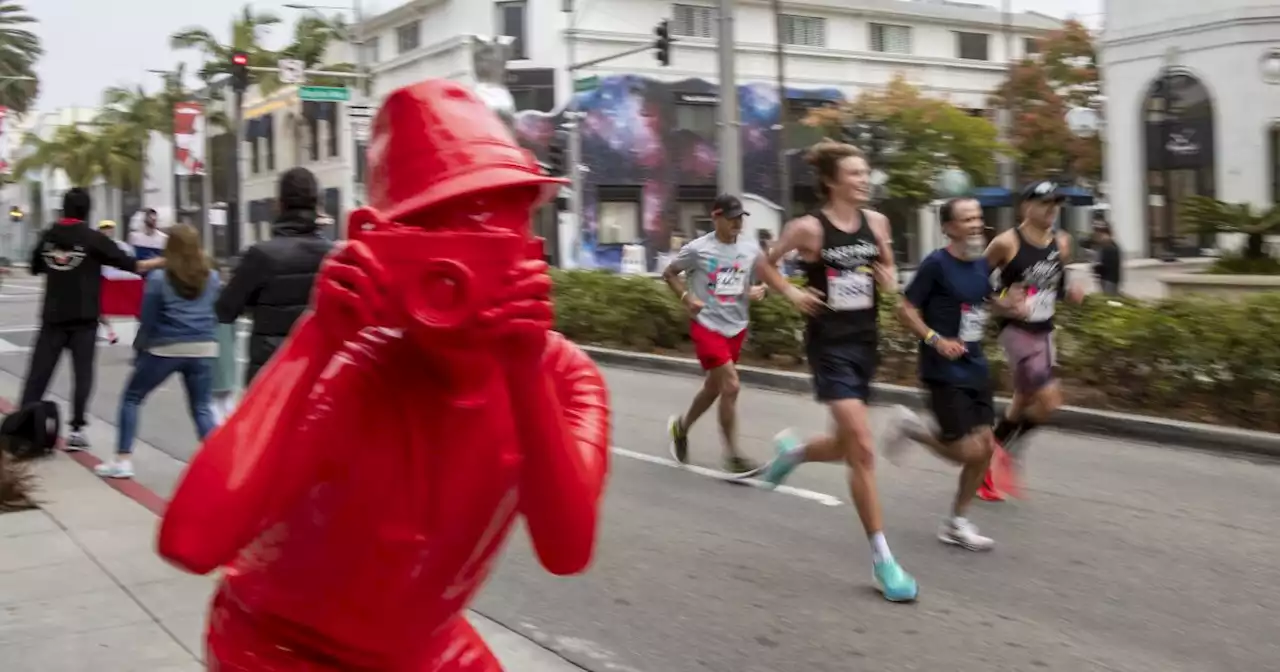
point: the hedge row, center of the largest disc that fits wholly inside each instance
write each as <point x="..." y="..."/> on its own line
<point x="1192" y="359"/>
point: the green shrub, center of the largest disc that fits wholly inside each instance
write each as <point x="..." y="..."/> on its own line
<point x="1195" y="359"/>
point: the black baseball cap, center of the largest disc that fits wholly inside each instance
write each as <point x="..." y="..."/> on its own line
<point x="1042" y="190"/>
<point x="728" y="206"/>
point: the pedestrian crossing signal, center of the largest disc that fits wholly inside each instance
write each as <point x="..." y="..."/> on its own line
<point x="662" y="45"/>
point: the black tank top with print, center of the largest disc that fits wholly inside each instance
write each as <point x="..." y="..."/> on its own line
<point x="843" y="274"/>
<point x="1040" y="271"/>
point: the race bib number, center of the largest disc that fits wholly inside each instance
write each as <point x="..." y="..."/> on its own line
<point x="731" y="282"/>
<point x="851" y="290"/>
<point x="973" y="323"/>
<point x="1041" y="305"/>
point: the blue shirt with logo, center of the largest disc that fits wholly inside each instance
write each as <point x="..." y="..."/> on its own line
<point x="951" y="295"/>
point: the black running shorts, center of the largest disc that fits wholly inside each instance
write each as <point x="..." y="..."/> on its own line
<point x="843" y="370"/>
<point x="960" y="410"/>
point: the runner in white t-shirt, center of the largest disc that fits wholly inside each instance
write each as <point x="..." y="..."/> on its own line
<point x="149" y="242"/>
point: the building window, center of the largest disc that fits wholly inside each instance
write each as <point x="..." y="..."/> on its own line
<point x="511" y="22"/>
<point x="540" y="98"/>
<point x="973" y="46"/>
<point x="699" y="118"/>
<point x="890" y="39"/>
<point x="408" y="37"/>
<point x="693" y="220"/>
<point x="618" y="222"/>
<point x="371" y="50"/>
<point x="1030" y="46"/>
<point x="804" y="31"/>
<point x="693" y="21"/>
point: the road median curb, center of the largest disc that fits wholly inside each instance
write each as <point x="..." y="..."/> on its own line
<point x="1071" y="418"/>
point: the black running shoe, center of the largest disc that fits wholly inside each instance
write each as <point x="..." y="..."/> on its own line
<point x="679" y="440"/>
<point x="739" y="465"/>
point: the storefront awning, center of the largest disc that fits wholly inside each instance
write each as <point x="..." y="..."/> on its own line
<point x="993" y="197"/>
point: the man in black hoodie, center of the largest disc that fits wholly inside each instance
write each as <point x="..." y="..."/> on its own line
<point x="71" y="255"/>
<point x="273" y="280"/>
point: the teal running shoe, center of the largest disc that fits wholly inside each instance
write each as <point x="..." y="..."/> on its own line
<point x="788" y="446"/>
<point x="895" y="583"/>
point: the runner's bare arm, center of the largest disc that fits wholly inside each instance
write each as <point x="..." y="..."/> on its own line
<point x="1001" y="250"/>
<point x="673" y="274"/>
<point x="1074" y="288"/>
<point x="886" y="269"/>
<point x="799" y="234"/>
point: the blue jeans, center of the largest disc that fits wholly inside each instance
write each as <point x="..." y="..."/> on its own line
<point x="149" y="371"/>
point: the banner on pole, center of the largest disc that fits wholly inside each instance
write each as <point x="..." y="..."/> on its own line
<point x="188" y="134"/>
<point x="6" y="142"/>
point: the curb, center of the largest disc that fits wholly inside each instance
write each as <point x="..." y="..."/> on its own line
<point x="1144" y="428"/>
<point x="128" y="487"/>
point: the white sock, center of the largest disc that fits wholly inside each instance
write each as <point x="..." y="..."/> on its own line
<point x="957" y="521"/>
<point x="880" y="548"/>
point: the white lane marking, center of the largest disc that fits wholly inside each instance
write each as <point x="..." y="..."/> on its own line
<point x="819" y="497"/>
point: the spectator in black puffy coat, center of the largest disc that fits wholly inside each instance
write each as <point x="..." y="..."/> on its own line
<point x="273" y="280"/>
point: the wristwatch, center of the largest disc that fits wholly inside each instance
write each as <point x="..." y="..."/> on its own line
<point x="932" y="339"/>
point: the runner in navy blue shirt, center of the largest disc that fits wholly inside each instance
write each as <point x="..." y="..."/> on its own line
<point x="946" y="306"/>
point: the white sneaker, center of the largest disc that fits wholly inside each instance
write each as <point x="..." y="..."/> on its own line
<point x="117" y="468"/>
<point x="903" y="426"/>
<point x="960" y="532"/>
<point x="76" y="441"/>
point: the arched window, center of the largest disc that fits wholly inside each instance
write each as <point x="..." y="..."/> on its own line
<point x="1180" y="158"/>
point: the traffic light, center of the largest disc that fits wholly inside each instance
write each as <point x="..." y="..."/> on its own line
<point x="662" y="45"/>
<point x="240" y="71"/>
<point x="556" y="164"/>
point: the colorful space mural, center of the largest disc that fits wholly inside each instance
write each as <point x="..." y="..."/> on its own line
<point x="630" y="139"/>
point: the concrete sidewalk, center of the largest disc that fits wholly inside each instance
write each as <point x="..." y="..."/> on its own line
<point x="82" y="588"/>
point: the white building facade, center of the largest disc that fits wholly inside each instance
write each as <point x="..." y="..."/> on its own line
<point x="1219" y="63"/>
<point x="650" y="132"/>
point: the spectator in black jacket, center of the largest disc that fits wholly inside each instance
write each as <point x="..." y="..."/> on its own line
<point x="273" y="280"/>
<point x="1109" y="264"/>
<point x="71" y="255"/>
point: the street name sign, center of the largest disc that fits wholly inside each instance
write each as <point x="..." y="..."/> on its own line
<point x="324" y="93"/>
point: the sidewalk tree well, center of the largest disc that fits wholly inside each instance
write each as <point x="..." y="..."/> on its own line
<point x="1040" y="91"/>
<point x="921" y="136"/>
<point x="19" y="50"/>
<point x="1207" y="217"/>
<point x="1217" y="361"/>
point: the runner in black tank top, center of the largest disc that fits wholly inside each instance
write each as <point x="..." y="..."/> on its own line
<point x="843" y="274"/>
<point x="847" y="258"/>
<point x="1035" y="257"/>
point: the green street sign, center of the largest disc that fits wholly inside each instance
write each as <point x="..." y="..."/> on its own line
<point x="324" y="93"/>
<point x="586" y="84"/>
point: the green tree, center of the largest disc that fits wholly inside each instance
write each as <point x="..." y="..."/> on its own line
<point x="1040" y="91"/>
<point x="19" y="50"/>
<point x="924" y="135"/>
<point x="72" y="149"/>
<point x="1207" y="216"/>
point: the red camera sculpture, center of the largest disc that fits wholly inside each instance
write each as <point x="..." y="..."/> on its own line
<point x="360" y="492"/>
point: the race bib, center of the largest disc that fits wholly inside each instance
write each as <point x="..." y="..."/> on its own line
<point x="973" y="323"/>
<point x="851" y="290"/>
<point x="730" y="282"/>
<point x="1041" y="305"/>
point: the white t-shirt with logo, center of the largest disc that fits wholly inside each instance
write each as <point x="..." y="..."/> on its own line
<point x="148" y="245"/>
<point x="720" y="275"/>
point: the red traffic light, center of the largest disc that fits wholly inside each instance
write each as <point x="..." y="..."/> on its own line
<point x="240" y="59"/>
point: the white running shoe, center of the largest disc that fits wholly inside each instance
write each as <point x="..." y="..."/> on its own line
<point x="960" y="532"/>
<point x="76" y="441"/>
<point x="903" y="426"/>
<point x="117" y="468"/>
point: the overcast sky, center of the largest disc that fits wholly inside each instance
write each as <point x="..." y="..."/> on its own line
<point x="92" y="44"/>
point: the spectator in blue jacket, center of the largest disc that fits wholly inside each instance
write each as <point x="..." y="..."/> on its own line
<point x="177" y="333"/>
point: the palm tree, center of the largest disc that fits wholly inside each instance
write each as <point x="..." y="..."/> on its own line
<point x="73" y="150"/>
<point x="1208" y="216"/>
<point x="244" y="37"/>
<point x="19" y="50"/>
<point x="312" y="36"/>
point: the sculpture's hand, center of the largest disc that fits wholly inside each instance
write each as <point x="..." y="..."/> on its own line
<point x="521" y="313"/>
<point x="351" y="292"/>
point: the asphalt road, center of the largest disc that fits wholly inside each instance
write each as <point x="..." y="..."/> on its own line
<point x="1124" y="557"/>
